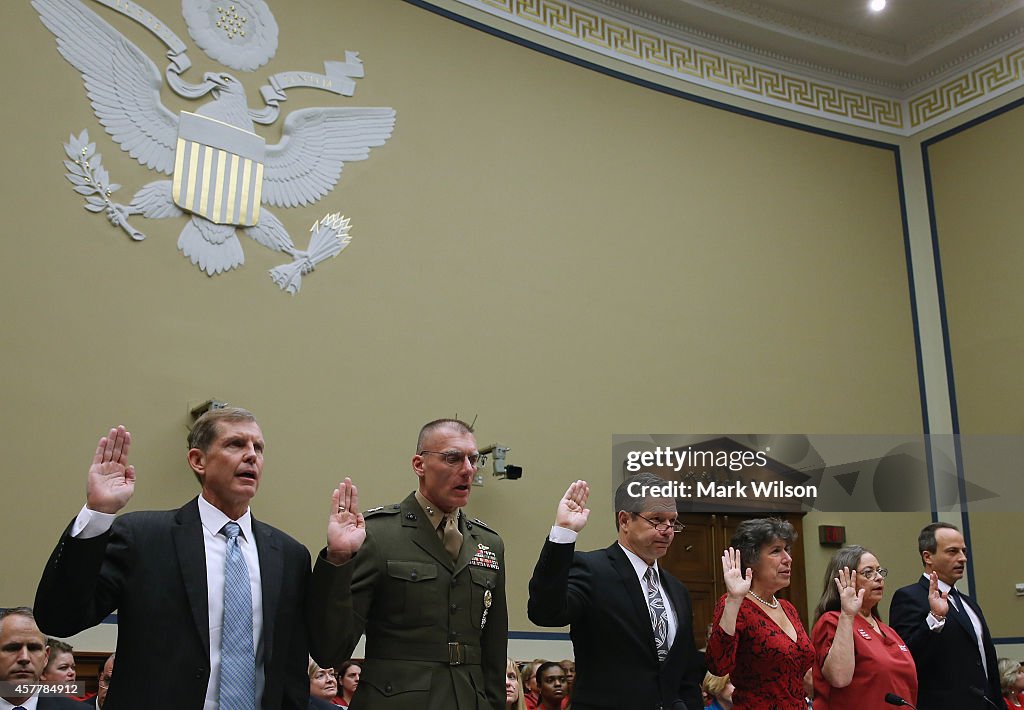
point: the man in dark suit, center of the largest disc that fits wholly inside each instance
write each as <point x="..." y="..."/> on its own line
<point x="945" y="630"/>
<point x="211" y="602"/>
<point x="633" y="650"/>
<point x="23" y="656"/>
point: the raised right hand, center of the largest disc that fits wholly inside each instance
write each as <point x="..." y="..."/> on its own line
<point x="937" y="601"/>
<point x="572" y="512"/>
<point x="850" y="598"/>
<point x="346" y="528"/>
<point x="736" y="583"/>
<point x="111" y="480"/>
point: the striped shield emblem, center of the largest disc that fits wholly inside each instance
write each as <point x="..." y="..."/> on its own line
<point x="218" y="170"/>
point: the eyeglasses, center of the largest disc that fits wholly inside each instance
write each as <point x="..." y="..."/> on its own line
<point x="675" y="526"/>
<point x="454" y="458"/>
<point x="870" y="572"/>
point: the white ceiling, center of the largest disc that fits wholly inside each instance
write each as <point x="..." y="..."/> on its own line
<point x="908" y="43"/>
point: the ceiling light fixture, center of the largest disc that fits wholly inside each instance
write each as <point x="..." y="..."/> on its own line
<point x="877" y="5"/>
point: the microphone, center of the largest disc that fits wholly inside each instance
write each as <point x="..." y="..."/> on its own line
<point x="894" y="699"/>
<point x="979" y="693"/>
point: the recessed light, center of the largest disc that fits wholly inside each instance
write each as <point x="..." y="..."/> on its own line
<point x="877" y="5"/>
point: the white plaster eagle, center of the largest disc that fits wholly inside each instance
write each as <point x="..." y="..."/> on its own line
<point x="123" y="86"/>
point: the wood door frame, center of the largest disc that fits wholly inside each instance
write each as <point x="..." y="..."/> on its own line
<point x="695" y="559"/>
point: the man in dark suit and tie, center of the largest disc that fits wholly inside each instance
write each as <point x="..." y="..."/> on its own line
<point x="945" y="630"/>
<point x="210" y="601"/>
<point x="631" y="622"/>
<point x="23" y="656"/>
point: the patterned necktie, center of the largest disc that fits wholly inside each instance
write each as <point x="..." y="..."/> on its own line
<point x="659" y="615"/>
<point x="237" y="659"/>
<point x="451" y="538"/>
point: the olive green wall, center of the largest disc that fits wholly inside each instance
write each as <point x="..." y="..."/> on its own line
<point x="562" y="253"/>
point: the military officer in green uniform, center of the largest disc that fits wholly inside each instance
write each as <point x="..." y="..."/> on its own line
<point x="423" y="581"/>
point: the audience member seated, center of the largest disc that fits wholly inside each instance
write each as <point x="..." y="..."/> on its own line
<point x="61" y="666"/>
<point x="513" y="687"/>
<point x="550" y="686"/>
<point x="23" y="656"/>
<point x="323" y="687"/>
<point x="106" y="673"/>
<point x="530" y="695"/>
<point x="858" y="658"/>
<point x="719" y="690"/>
<point x="1011" y="681"/>
<point x="569" y="666"/>
<point x="348" y="682"/>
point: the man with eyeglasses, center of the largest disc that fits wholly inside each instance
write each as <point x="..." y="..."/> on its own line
<point x="425" y="582"/>
<point x="106" y="672"/>
<point x="628" y="617"/>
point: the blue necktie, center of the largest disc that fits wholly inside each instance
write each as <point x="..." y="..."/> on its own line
<point x="237" y="659"/>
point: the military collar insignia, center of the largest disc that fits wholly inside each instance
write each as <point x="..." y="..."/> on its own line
<point x="484" y="525"/>
<point x="381" y="510"/>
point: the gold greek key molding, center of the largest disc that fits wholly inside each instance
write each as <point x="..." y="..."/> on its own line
<point x="672" y="56"/>
<point x="977" y="84"/>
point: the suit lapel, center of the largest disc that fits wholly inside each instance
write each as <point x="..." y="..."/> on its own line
<point x="631" y="583"/>
<point x="268" y="548"/>
<point x="191" y="553"/>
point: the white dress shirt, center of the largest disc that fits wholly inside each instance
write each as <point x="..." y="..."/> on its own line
<point x="29" y="704"/>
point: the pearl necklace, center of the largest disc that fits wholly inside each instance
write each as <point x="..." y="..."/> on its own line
<point x="773" y="604"/>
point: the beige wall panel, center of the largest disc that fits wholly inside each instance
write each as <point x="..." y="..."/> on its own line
<point x="976" y="178"/>
<point x="566" y="255"/>
<point x="891" y="536"/>
<point x="992" y="537"/>
<point x="977" y="175"/>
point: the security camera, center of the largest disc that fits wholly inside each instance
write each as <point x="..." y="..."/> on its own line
<point x="497" y="454"/>
<point x="205" y="406"/>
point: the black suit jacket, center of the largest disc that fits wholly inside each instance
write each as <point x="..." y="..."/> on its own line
<point x="617" y="665"/>
<point x="151" y="568"/>
<point x="948" y="662"/>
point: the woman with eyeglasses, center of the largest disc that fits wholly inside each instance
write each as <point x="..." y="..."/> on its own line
<point x="858" y="658"/>
<point x="323" y="686"/>
<point x="758" y="639"/>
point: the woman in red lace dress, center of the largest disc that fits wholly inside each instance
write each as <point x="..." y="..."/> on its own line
<point x="758" y="639"/>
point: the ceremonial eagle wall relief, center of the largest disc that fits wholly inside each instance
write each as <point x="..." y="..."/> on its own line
<point x="223" y="176"/>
